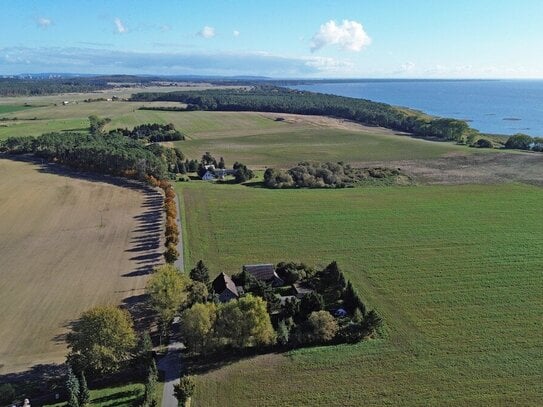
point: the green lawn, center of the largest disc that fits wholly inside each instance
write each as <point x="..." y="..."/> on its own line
<point x="454" y="270"/>
<point x="116" y="396"/>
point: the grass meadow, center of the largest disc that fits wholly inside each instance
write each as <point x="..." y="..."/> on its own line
<point x="253" y="138"/>
<point x="454" y="270"/>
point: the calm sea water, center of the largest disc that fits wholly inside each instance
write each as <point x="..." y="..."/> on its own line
<point x="501" y="107"/>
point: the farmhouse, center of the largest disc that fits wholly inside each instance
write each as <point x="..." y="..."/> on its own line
<point x="264" y="272"/>
<point x="213" y="173"/>
<point x="225" y="288"/>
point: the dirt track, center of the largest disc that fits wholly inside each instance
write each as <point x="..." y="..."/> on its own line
<point x="67" y="242"/>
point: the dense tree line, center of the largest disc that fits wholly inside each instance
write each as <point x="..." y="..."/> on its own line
<point x="22" y="86"/>
<point x="152" y="132"/>
<point x="107" y="154"/>
<point x="282" y="100"/>
<point x="325" y="175"/>
<point x="37" y="87"/>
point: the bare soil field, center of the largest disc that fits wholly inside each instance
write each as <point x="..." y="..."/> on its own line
<point x="67" y="242"/>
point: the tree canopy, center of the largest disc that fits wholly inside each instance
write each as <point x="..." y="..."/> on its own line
<point x="101" y="340"/>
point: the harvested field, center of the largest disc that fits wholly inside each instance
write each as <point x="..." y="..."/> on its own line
<point x="67" y="242"/>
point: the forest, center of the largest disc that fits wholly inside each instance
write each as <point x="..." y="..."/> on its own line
<point x="110" y="154"/>
<point x="282" y="100"/>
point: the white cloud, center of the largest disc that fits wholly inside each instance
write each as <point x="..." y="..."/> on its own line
<point x="121" y="28"/>
<point x="235" y="33"/>
<point x="207" y="32"/>
<point x="349" y="35"/>
<point x="408" y="66"/>
<point x="165" y="27"/>
<point x="44" y="22"/>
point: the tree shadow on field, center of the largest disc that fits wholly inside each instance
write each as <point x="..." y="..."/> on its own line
<point x="137" y="306"/>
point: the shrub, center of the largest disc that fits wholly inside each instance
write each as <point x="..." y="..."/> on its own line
<point x="184" y="389"/>
<point x="7" y="393"/>
<point x="519" y="142"/>
<point x="171" y="254"/>
<point x="483" y="143"/>
<point x="320" y="327"/>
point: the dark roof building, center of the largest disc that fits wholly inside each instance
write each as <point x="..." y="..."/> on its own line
<point x="300" y="290"/>
<point x="225" y="288"/>
<point x="264" y="272"/>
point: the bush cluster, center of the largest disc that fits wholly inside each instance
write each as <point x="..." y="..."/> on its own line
<point x="524" y="142"/>
<point x="152" y="132"/>
<point x="325" y="175"/>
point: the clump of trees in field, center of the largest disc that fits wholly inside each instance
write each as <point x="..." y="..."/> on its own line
<point x="152" y="132"/>
<point x="282" y="100"/>
<point x="330" y="311"/>
<point x="525" y="142"/>
<point x="327" y="175"/>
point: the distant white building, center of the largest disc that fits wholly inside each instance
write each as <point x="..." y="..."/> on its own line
<point x="209" y="176"/>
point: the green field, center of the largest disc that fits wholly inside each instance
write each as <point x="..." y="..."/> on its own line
<point x="253" y="138"/>
<point x="12" y="108"/>
<point x="454" y="270"/>
<point x="121" y="395"/>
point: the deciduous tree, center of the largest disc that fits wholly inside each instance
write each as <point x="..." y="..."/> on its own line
<point x="102" y="340"/>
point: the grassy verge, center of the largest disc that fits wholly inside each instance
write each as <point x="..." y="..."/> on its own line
<point x="121" y="395"/>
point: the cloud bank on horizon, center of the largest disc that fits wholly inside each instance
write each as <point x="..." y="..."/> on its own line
<point x="337" y="39"/>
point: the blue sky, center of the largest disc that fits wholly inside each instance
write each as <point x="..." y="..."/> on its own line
<point x="378" y="38"/>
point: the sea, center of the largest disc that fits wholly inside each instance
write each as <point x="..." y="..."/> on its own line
<point x="491" y="106"/>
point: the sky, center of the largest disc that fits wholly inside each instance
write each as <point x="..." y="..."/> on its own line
<point x="280" y="39"/>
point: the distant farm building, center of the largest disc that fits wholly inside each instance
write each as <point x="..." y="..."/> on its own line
<point x="265" y="273"/>
<point x="209" y="176"/>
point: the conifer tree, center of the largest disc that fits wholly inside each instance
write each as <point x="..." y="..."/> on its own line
<point x="72" y="388"/>
<point x="84" y="394"/>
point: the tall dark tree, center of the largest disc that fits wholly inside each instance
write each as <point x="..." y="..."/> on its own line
<point x="84" y="393"/>
<point x="72" y="388"/>
<point x="372" y="321"/>
<point x="200" y="272"/>
<point x="352" y="301"/>
<point x="309" y="303"/>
